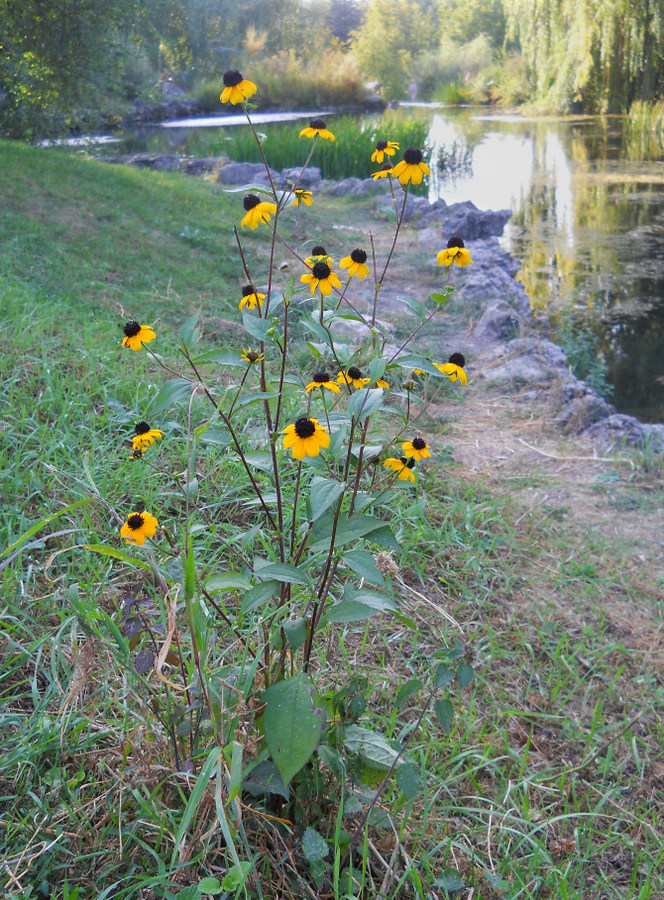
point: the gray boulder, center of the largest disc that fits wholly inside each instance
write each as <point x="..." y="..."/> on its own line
<point x="527" y="360"/>
<point x="351" y="187"/>
<point x="491" y="277"/>
<point x="245" y="173"/>
<point x="616" y="431"/>
<point x="498" y="323"/>
<point x="309" y="178"/>
<point x="466" y="220"/>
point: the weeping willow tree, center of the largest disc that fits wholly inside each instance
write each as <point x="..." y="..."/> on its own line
<point x="597" y="55"/>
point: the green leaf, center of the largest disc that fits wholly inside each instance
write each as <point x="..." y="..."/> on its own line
<point x="292" y="724"/>
<point x="252" y="187"/>
<point x="215" y="436"/>
<point x="442" y="677"/>
<point x="255" y="326"/>
<point x="195" y="798"/>
<point x="283" y="572"/>
<point x="236" y="877"/>
<point x="118" y="554"/>
<point x="444" y="711"/>
<point x="419" y="309"/>
<point x="348" y="530"/>
<point x="362" y="563"/>
<point x="358" y="605"/>
<point x="296" y="632"/>
<point x="208" y="886"/>
<point x="407" y="690"/>
<point x="228" y="581"/>
<point x="190" y="333"/>
<point x="323" y="494"/>
<point x="418" y="362"/>
<point x="442" y="298"/>
<point x="262" y="461"/>
<point x="465" y="675"/>
<point x="314" y="846"/>
<point x="254" y="397"/>
<point x="450" y="880"/>
<point x="42" y="523"/>
<point x="377" y="368"/>
<point x="174" y="391"/>
<point x="372" y="747"/>
<point x="258" y="594"/>
<point x="365" y="402"/>
<point x="189" y="571"/>
<point x="336" y="448"/>
<point x="409" y="781"/>
<point x="222" y="358"/>
<point x="316" y="328"/>
<point x="191" y="892"/>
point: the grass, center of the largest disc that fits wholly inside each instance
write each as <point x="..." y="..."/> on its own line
<point x="548" y="781"/>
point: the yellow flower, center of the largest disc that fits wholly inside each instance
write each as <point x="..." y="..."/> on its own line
<point x="383" y="149"/>
<point x="135" y="335"/>
<point x="383" y="172"/>
<point x="305" y="438"/>
<point x="138" y="527"/>
<point x="453" y="368"/>
<point x="417" y="448"/>
<point x="257" y="211"/>
<point x="353" y="376"/>
<point x="250" y="355"/>
<point x="411" y="167"/>
<point x="236" y="88"/>
<point x="300" y="196"/>
<point x="455" y="252"/>
<point x="136" y="453"/>
<point x="381" y="383"/>
<point x="318" y="254"/>
<point x="144" y="436"/>
<point x="403" y="466"/>
<point x="317" y="127"/>
<point x="322" y="380"/>
<point x="322" y="277"/>
<point x="250" y="298"/>
<point x="356" y="264"/>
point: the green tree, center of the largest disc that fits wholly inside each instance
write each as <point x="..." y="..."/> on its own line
<point x="393" y="34"/>
<point x="465" y="20"/>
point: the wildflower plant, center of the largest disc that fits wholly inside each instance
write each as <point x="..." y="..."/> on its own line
<point x="254" y="583"/>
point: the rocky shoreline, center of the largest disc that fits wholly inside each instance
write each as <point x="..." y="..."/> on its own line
<point x="506" y="336"/>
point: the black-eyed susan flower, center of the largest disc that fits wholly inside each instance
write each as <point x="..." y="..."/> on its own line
<point x="317" y="127"/>
<point x="417" y="448"/>
<point x="455" y="252"/>
<point x="453" y="368"/>
<point x="144" y="435"/>
<point x="383" y="149"/>
<point x="356" y="264"/>
<point x="305" y="438"/>
<point x="354" y="377"/>
<point x="302" y="196"/>
<point x="322" y="379"/>
<point x="257" y="211"/>
<point x="411" y="168"/>
<point x="136" y="453"/>
<point x="403" y="466"/>
<point x="409" y="385"/>
<point x="318" y="254"/>
<point x="138" y="527"/>
<point x="381" y="383"/>
<point x="251" y="356"/>
<point x="250" y="298"/>
<point x="383" y="172"/>
<point x="236" y="88"/>
<point x="135" y="335"/>
<point x="321" y="277"/>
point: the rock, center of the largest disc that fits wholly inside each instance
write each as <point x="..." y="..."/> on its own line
<point x="466" y="220"/>
<point x="551" y="353"/>
<point x="351" y="187"/>
<point x="492" y="276"/>
<point x="310" y="177"/>
<point x="415" y="206"/>
<point x="168" y="162"/>
<point x="175" y="108"/>
<point x="583" y="412"/>
<point x="528" y="360"/>
<point x="170" y="90"/>
<point x="616" y="431"/>
<point x="245" y="173"/>
<point x="498" y="323"/>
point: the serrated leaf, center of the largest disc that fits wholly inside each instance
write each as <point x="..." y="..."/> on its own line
<point x="323" y="494"/>
<point x="444" y="711"/>
<point x="377" y="368"/>
<point x="174" y="391"/>
<point x="465" y="675"/>
<point x="228" y="581"/>
<point x="365" y="402"/>
<point x="189" y="333"/>
<point x="255" y="397"/>
<point x="444" y="296"/>
<point x="362" y="563"/>
<point x="372" y="747"/>
<point x="265" y="779"/>
<point x="216" y="436"/>
<point x="296" y="632"/>
<point x="409" y="781"/>
<point x="284" y="572"/>
<point x="143" y="662"/>
<point x="348" y="530"/>
<point x="321" y="333"/>
<point x="258" y="594"/>
<point x="292" y="724"/>
<point x="262" y="461"/>
<point x="314" y="846"/>
<point x="255" y="326"/>
<point x="442" y="677"/>
<point x="419" y="362"/>
<point x="407" y="690"/>
<point x="419" y="309"/>
<point x="208" y="886"/>
<point x="222" y="358"/>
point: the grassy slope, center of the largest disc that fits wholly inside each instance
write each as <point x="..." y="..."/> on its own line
<point x="547" y="787"/>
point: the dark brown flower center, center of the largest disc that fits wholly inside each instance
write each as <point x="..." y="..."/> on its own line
<point x="413" y="156"/>
<point x="247" y="290"/>
<point x="458" y="359"/>
<point x="131" y="329"/>
<point x="411" y="463"/>
<point x="252" y="356"/>
<point x="318" y="124"/>
<point x="455" y="241"/>
<point x="321" y="377"/>
<point x="419" y="444"/>
<point x="386" y="167"/>
<point x="318" y="250"/>
<point x="321" y="270"/>
<point x="250" y="201"/>
<point x="135" y="521"/>
<point x="232" y="78"/>
<point x="381" y="145"/>
<point x="304" y="428"/>
<point x="141" y="428"/>
<point x="354" y="373"/>
<point x="358" y="256"/>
